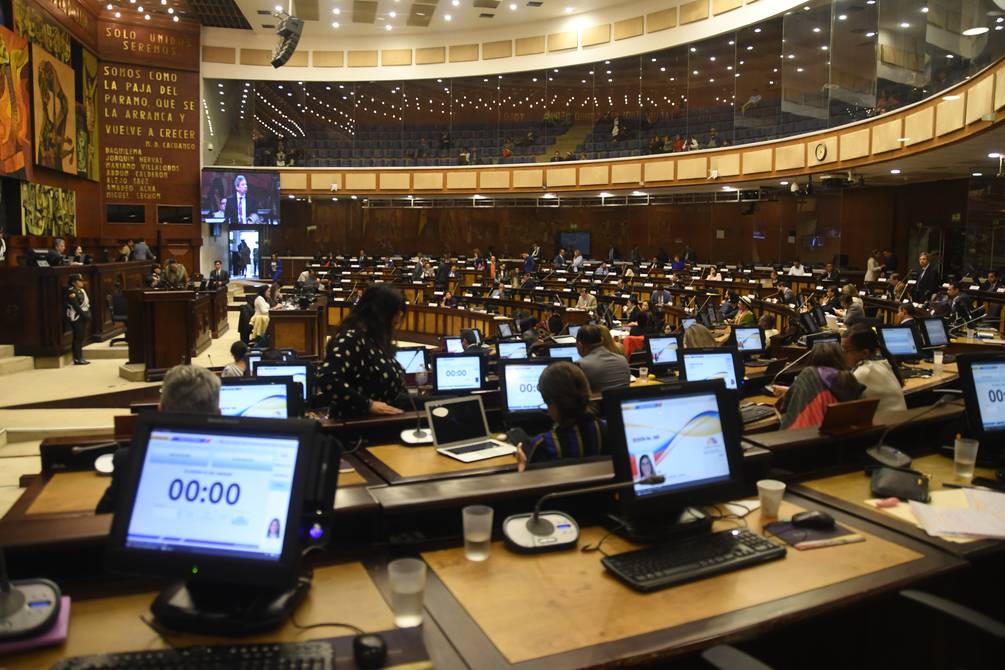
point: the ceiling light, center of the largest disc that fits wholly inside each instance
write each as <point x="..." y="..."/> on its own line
<point x="638" y="193"/>
<point x="278" y="8"/>
<point x="548" y="195"/>
<point x="950" y="97"/>
<point x="994" y="154"/>
<point x="976" y="174"/>
<point x="568" y="10"/>
<point x="817" y="29"/>
<point x="512" y="6"/>
<point x="905" y="24"/>
<point x="728" y="188"/>
<point x="757" y="30"/>
<point x="784" y="183"/>
<point x="842" y="17"/>
<point x="392" y="14"/>
<point x="108" y="6"/>
<point x="976" y="30"/>
<point x="870" y="34"/>
<point x="605" y="194"/>
<point x="950" y="56"/>
<point x="998" y="27"/>
<point x="895" y="171"/>
<point x="335" y="24"/>
<point x="175" y="19"/>
<point x="924" y="10"/>
<point x="387" y="26"/>
<point x="693" y="49"/>
<point x="455" y="3"/>
<point x="170" y="10"/>
<point x="336" y="11"/>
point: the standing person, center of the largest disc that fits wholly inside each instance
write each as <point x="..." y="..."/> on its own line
<point x="360" y="375"/>
<point x="559" y="260"/>
<point x="78" y="313"/>
<point x="577" y="260"/>
<point x="218" y="276"/>
<point x="872" y="267"/>
<point x="275" y="268"/>
<point x="142" y="252"/>
<point x="928" y="279"/>
<point x="245" y="253"/>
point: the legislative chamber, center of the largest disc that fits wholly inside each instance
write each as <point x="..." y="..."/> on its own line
<point x="482" y="335"/>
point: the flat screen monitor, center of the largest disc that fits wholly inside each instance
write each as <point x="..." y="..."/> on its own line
<point x="689" y="434"/>
<point x="243" y="197"/>
<point x="899" y="341"/>
<point x="453" y="345"/>
<point x="271" y="398"/>
<point x="512" y="350"/>
<point x="301" y="371"/>
<point x="935" y="333"/>
<point x="505" y="329"/>
<point x="822" y="338"/>
<point x="567" y="351"/>
<point x="252" y="358"/>
<point x="706" y="364"/>
<point x="749" y="339"/>
<point x="453" y="373"/>
<point x="714" y="315"/>
<point x="518" y="381"/>
<point x="982" y="378"/>
<point x="663" y="351"/>
<point x="221" y="496"/>
<point x="687" y="323"/>
<point x="808" y="322"/>
<point x="574" y="330"/>
<point x="411" y="359"/>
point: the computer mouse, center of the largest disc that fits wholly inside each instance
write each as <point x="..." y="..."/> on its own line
<point x="369" y="650"/>
<point x="814" y="519"/>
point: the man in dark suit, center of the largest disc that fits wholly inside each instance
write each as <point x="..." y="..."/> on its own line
<point x="240" y="206"/>
<point x="218" y="276"/>
<point x="56" y="255"/>
<point x="928" y="280"/>
<point x="660" y="297"/>
<point x="991" y="286"/>
<point x="831" y="273"/>
<point x="959" y="302"/>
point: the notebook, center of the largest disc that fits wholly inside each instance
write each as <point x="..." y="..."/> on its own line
<point x="811" y="538"/>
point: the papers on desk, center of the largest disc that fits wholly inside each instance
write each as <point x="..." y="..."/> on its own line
<point x="984" y="516"/>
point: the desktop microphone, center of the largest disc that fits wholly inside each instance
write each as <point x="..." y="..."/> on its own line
<point x="553" y="530"/>
<point x="768" y="387"/>
<point x="891" y="457"/>
<point x="418" y="435"/>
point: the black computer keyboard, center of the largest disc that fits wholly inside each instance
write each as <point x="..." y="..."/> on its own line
<point x="660" y="566"/>
<point x="910" y="373"/>
<point x="286" y="656"/>
<point x="468" y="448"/>
<point x="751" y="413"/>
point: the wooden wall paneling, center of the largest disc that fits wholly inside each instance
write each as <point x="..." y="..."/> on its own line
<point x="656" y="171"/>
<point x="593" y="174"/>
<point x="692" y="168"/>
<point x="597" y="35"/>
<point x="563" y="41"/>
<point x="462" y="179"/>
<point x="980" y="99"/>
<point x="499" y="49"/>
<point x="757" y="161"/>
<point x="949" y="115"/>
<point x="560" y="177"/>
<point x="360" y="181"/>
<point x="919" y="126"/>
<point x="225" y="55"/>
<point x="528" y="46"/>
<point x="628" y="28"/>
<point x="255" y="56"/>
<point x="626" y="173"/>
<point x="430" y="55"/>
<point x="391" y="57"/>
<point x="830" y="144"/>
<point x="528" y="178"/>
<point x="292" y="181"/>
<point x="723" y="6"/>
<point x="463" y="53"/>
<point x="322" y="181"/>
<point x="366" y="58"/>
<point x="394" y="181"/>
<point x="494" y="178"/>
<point x="427" y="181"/>
<point x="854" y="144"/>
<point x="886" y="136"/>
<point x="726" y="165"/>
<point x="661" y="20"/>
<point x="327" y="58"/>
<point x="999" y="88"/>
<point x="790" y="157"/>
<point x="693" y="11"/>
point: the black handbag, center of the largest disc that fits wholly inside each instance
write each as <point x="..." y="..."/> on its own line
<point x="902" y="483"/>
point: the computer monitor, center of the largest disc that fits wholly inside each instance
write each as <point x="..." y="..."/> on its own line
<point x="749" y="339"/>
<point x="808" y="322"/>
<point x="301" y="371"/>
<point x="689" y="434"/>
<point x="901" y="342"/>
<point x="687" y="323"/>
<point x="982" y="379"/>
<point x="505" y="329"/>
<point x="574" y="330"/>
<point x="251" y="358"/>
<point x="518" y="381"/>
<point x="714" y="315"/>
<point x="567" y="351"/>
<point x="663" y="351"/>
<point x="411" y="359"/>
<point x="220" y="497"/>
<point x="822" y="338"/>
<point x="720" y="363"/>
<point x="453" y="345"/>
<point x="704" y="320"/>
<point x="934" y="333"/>
<point x="476" y="335"/>
<point x="512" y="350"/>
<point x="265" y="398"/>
<point x="454" y="373"/>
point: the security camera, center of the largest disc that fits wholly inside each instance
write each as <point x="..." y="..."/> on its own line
<point x="334" y="187"/>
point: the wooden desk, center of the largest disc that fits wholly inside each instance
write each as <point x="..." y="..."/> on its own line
<point x="302" y="330"/>
<point x="32" y="308"/>
<point x="398" y="464"/>
<point x="218" y="300"/>
<point x="112" y="624"/>
<point x="850" y="491"/>
<point x="560" y="610"/>
<point x="167" y="328"/>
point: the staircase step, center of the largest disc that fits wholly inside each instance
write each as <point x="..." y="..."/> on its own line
<point x="9" y="366"/>
<point x="6" y="350"/>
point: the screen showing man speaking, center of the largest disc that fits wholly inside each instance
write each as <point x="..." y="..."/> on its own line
<point x="240" y="198"/>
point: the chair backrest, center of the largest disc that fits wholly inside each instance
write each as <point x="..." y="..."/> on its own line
<point x="119" y="305"/>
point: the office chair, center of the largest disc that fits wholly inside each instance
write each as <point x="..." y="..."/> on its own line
<point x="987" y="653"/>
<point x="728" y="657"/>
<point x="119" y="308"/>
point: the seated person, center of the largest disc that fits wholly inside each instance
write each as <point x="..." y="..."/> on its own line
<point x="730" y="306"/>
<point x="359" y="375"/>
<point x="824" y="381"/>
<point x="698" y="336"/>
<point x="448" y="300"/>
<point x="609" y="343"/>
<point x="555" y="323"/>
<point x="876" y="373"/>
<point x="187" y="389"/>
<point x="604" y="369"/>
<point x="644" y="322"/>
<point x="906" y="313"/>
<point x="767" y="324"/>
<point x="850" y="312"/>
<point x="744" y="315"/>
<point x="577" y="431"/>
<point x="239" y="368"/>
<point x="308" y="280"/>
<point x="586" y="299"/>
<point x="832" y="301"/>
<point x="713" y="274"/>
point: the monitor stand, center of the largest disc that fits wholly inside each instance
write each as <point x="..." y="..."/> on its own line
<point x="650" y="530"/>
<point x="226" y="609"/>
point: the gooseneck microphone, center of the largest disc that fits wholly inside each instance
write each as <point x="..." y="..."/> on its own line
<point x="553" y="530"/>
<point x="892" y="457"/>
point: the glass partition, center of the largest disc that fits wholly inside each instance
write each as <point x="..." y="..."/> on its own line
<point x="822" y="64"/>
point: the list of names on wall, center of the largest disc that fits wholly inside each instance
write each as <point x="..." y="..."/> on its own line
<point x="150" y="133"/>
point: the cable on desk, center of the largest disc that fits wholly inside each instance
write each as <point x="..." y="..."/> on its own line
<point x="326" y="624"/>
<point x="598" y="546"/>
<point x="162" y="633"/>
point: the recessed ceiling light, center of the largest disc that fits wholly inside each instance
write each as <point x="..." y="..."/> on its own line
<point x="976" y="174"/>
<point x="817" y="29"/>
<point x="976" y="30"/>
<point x="895" y="171"/>
<point x="784" y="183"/>
<point x="757" y="30"/>
<point x="994" y="154"/>
<point x="548" y="195"/>
<point x="512" y="6"/>
<point x="278" y="8"/>
<point x="842" y="17"/>
<point x="905" y="24"/>
<point x="950" y="56"/>
<point x="605" y="194"/>
<point x="335" y="24"/>
<point x="387" y="26"/>
<point x="870" y="34"/>
<point x="638" y="193"/>
<point x="392" y="14"/>
<point x="568" y="10"/>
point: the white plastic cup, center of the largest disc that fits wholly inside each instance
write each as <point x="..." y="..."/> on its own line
<point x="643" y="374"/>
<point x="408" y="587"/>
<point x="937" y="359"/>
<point x="965" y="457"/>
<point x="770" y="491"/>
<point x="477" y="521"/>
<point x="971" y="333"/>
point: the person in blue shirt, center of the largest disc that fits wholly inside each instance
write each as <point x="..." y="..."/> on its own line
<point x="577" y="431"/>
<point x="677" y="263"/>
<point x="275" y="267"/>
<point x="528" y="264"/>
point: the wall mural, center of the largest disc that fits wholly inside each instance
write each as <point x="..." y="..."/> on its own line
<point x="87" y="119"/>
<point x="47" y="210"/>
<point x="55" y="112"/>
<point x="31" y="23"/>
<point x="15" y="134"/>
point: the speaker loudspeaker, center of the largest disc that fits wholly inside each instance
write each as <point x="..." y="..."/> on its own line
<point x="289" y="31"/>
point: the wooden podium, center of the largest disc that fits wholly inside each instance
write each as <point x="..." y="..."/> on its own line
<point x="301" y="329"/>
<point x="32" y="309"/>
<point x="218" y="298"/>
<point x="167" y="328"/>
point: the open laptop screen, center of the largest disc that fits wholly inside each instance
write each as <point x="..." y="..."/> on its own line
<point x="457" y="421"/>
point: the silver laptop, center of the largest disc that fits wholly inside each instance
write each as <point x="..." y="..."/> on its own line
<point x="461" y="431"/>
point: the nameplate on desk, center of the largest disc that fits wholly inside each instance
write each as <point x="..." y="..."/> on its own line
<point x="648" y="284"/>
<point x="468" y="295"/>
<point x="526" y="300"/>
<point x="974" y="288"/>
<point x="644" y="275"/>
<point x="433" y="304"/>
<point x="476" y="284"/>
<point x="820" y="288"/>
<point x="355" y="267"/>
<point x="912" y="281"/>
<point x="882" y="279"/>
<point x="598" y="281"/>
<point x="1001" y="290"/>
<point x="746" y="272"/>
<point x="751" y="281"/>
<point x="378" y="281"/>
<point x="417" y="282"/>
<point x="437" y="292"/>
<point x="562" y="279"/>
<point x="460" y="307"/>
<point x="538" y="288"/>
<point x="567" y="290"/>
<point x="349" y="281"/>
